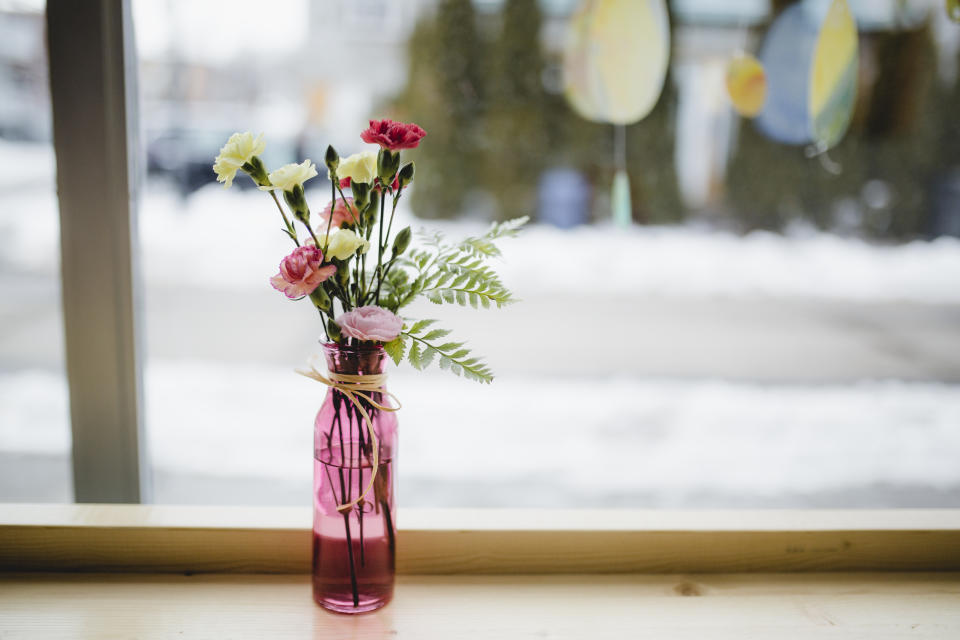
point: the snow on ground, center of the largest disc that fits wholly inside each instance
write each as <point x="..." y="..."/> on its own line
<point x="230" y="239"/>
<point x="184" y="244"/>
<point x="26" y="165"/>
<point x="590" y="437"/>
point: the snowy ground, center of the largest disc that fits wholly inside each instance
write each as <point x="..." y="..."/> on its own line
<point x="566" y="442"/>
<point x="182" y="241"/>
<point x="649" y="367"/>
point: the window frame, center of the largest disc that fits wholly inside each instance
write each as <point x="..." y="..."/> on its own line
<point x="93" y="94"/>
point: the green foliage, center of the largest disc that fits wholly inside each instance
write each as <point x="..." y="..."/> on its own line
<point x="452" y="273"/>
<point x="484" y="247"/>
<point x="395" y="349"/>
<point x="452" y="356"/>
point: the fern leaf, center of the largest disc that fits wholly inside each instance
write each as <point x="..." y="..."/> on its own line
<point x="395" y="349"/>
<point x="414" y="356"/>
<point x="435" y="334"/>
<point x="420" y="325"/>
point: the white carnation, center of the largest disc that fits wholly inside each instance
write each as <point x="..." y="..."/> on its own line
<point x="238" y="151"/>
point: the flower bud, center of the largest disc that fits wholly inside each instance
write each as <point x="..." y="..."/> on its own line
<point x="255" y="169"/>
<point x="402" y="241"/>
<point x="320" y="299"/>
<point x="332" y="159"/>
<point x="361" y="194"/>
<point x="387" y="164"/>
<point x="297" y="203"/>
<point x="370" y="213"/>
<point x="343" y="275"/>
<point x="333" y="330"/>
<point x="406" y="174"/>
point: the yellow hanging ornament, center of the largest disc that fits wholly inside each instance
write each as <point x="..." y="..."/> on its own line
<point x="746" y="85"/>
<point x="953" y="10"/>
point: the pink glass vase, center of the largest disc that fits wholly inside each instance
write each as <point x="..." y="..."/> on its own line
<point x="354" y="549"/>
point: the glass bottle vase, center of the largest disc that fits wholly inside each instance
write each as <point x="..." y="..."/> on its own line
<point x="354" y="549"/>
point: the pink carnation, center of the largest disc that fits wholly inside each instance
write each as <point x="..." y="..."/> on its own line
<point x="342" y="212"/>
<point x="301" y="273"/>
<point x="393" y="135"/>
<point x="370" y="323"/>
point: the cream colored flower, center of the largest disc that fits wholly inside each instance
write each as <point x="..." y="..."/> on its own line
<point x="240" y="148"/>
<point x="360" y="167"/>
<point x="290" y="175"/>
<point x="343" y="243"/>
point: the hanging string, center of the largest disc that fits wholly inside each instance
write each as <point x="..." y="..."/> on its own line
<point x="620" y="146"/>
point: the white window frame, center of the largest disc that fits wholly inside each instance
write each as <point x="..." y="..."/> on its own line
<point x="94" y="102"/>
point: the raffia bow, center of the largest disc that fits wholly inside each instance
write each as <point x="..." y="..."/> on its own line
<point x="352" y="386"/>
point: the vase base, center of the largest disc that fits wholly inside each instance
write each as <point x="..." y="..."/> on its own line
<point x="347" y="607"/>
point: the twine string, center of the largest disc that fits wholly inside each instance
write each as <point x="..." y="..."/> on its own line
<point x="354" y="387"/>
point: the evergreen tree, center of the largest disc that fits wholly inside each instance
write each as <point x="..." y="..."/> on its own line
<point x="651" y="162"/>
<point x="516" y="129"/>
<point x="444" y="95"/>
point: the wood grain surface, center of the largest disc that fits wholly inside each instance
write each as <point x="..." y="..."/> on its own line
<point x="873" y="606"/>
<point x="158" y="539"/>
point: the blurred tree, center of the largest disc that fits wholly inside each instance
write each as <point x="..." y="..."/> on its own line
<point x="493" y="125"/>
<point x="517" y="136"/>
<point x="651" y="160"/>
<point x="901" y="135"/>
<point x="444" y="95"/>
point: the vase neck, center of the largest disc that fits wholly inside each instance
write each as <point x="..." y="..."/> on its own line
<point x="355" y="360"/>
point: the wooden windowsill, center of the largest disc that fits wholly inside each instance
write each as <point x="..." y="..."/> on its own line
<point x="716" y="606"/>
<point x="199" y="572"/>
<point x="169" y="539"/>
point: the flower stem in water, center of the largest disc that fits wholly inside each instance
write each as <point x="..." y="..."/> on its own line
<point x="343" y="500"/>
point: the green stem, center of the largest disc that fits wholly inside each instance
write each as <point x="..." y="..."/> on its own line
<point x="383" y="276"/>
<point x="333" y="205"/>
<point x="380" y="247"/>
<point x="396" y="199"/>
<point x="323" y="320"/>
<point x="336" y="185"/>
<point x="363" y="280"/>
<point x="341" y="292"/>
<point x="286" y="221"/>
<point x="315" y="240"/>
<point x="386" y="272"/>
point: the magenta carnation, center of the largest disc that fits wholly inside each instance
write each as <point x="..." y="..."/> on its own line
<point x="393" y="135"/>
<point x="301" y="273"/>
<point x="370" y="323"/>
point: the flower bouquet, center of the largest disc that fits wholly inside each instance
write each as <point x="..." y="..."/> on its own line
<point x="359" y="275"/>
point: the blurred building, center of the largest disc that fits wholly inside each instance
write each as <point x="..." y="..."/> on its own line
<point x="25" y="107"/>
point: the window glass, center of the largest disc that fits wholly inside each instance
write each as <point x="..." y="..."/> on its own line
<point x="774" y="323"/>
<point x="34" y="410"/>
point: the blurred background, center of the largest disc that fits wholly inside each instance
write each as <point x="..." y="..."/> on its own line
<point x="774" y="328"/>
